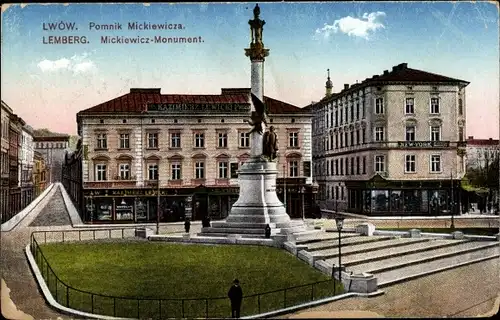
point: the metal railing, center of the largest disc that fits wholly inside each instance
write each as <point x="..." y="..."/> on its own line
<point x="162" y="308"/>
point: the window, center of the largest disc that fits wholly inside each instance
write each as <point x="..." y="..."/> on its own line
<point x="100" y="172"/>
<point x="435" y="163"/>
<point x="175" y="140"/>
<point x="341" y="116"/>
<point x="357" y="137"/>
<point x="124" y="141"/>
<point x="222" y="140"/>
<point x="346" y="135"/>
<point x="460" y="133"/>
<point x="352" y="165"/>
<point x="364" y="164"/>
<point x="200" y="170"/>
<point x="331" y="168"/>
<point x="460" y="107"/>
<point x="364" y="135"/>
<point x="379" y="163"/>
<point x="435" y="133"/>
<point x="199" y="140"/>
<point x="357" y="111"/>
<point x="341" y="167"/>
<point x="336" y="118"/>
<point x="223" y="170"/>
<point x="434" y="105"/>
<point x="341" y="140"/>
<point x="352" y="113"/>
<point x="153" y="171"/>
<point x="176" y="171"/>
<point x="124" y="171"/>
<point x="346" y="114"/>
<point x="294" y="139"/>
<point x="327" y="167"/>
<point x="337" y="192"/>
<point x="346" y="166"/>
<point x="379" y="105"/>
<point x="244" y="139"/>
<point x="153" y="140"/>
<point x="357" y="165"/>
<point x="409" y="106"/>
<point x="379" y="133"/>
<point x="294" y="168"/>
<point x="410" y="133"/>
<point x="336" y="141"/>
<point x="352" y="138"/>
<point x="410" y="163"/>
<point x="336" y="167"/>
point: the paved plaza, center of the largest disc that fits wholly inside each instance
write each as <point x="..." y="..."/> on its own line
<point x="435" y="295"/>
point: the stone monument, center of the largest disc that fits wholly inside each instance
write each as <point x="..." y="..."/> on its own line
<point x="257" y="205"/>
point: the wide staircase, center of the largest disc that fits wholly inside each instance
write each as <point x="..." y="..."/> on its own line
<point x="391" y="259"/>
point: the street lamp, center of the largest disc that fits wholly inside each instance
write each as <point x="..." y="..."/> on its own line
<point x="158" y="205"/>
<point x="340" y="223"/>
<point x="452" y="202"/>
<point x="303" y="191"/>
<point x="284" y="184"/>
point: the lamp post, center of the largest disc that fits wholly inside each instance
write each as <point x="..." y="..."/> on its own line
<point x="158" y="204"/>
<point x="340" y="223"/>
<point x="284" y="184"/>
<point x="452" y="226"/>
<point x="303" y="191"/>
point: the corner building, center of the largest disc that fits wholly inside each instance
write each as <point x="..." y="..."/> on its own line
<point x="183" y="145"/>
<point x="392" y="144"/>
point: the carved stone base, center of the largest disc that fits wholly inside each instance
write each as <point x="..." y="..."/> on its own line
<point x="257" y="204"/>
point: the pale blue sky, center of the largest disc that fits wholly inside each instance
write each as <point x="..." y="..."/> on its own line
<point x="48" y="83"/>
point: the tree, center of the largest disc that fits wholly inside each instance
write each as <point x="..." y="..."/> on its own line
<point x="486" y="175"/>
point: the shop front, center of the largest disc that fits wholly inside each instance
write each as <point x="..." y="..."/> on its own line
<point x="384" y="197"/>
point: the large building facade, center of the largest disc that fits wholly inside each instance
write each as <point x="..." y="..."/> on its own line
<point x="26" y="159"/>
<point x="185" y="145"/>
<point x="15" y="144"/>
<point x="392" y="144"/>
<point x="481" y="152"/>
<point x="40" y="174"/>
<point x="6" y="113"/>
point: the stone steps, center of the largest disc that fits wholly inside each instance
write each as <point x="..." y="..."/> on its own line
<point x="352" y="240"/>
<point x="386" y="278"/>
<point x="391" y="263"/>
<point x="382" y="254"/>
<point x="230" y="230"/>
<point x="323" y="236"/>
<point x="225" y="235"/>
<point x="366" y="247"/>
<point x="223" y="224"/>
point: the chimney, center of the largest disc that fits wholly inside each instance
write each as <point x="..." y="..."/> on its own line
<point x="491" y="139"/>
<point x="470" y="138"/>
<point x="386" y="72"/>
<point x="346" y="86"/>
<point x="404" y="65"/>
<point x="394" y="68"/>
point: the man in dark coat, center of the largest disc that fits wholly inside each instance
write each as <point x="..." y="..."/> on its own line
<point x="270" y="144"/>
<point x="235" y="294"/>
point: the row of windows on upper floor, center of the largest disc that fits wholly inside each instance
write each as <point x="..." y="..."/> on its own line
<point x="352" y="138"/>
<point x="124" y="170"/>
<point x="153" y="142"/>
<point x="176" y="121"/>
<point x="337" y="118"/>
<point x="336" y="167"/>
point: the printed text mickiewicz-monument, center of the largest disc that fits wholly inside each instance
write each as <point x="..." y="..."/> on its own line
<point x="154" y="26"/>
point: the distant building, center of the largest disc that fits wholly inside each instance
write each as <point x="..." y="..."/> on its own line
<point x="6" y="113"/>
<point x="52" y="147"/>
<point x="192" y="144"/>
<point x="26" y="166"/>
<point x="481" y="152"/>
<point x="392" y="144"/>
<point x="40" y="174"/>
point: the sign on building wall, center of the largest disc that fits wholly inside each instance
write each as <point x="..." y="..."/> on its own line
<point x="198" y="107"/>
<point x="423" y="144"/>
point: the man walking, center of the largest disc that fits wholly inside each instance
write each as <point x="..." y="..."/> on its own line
<point x="235" y="294"/>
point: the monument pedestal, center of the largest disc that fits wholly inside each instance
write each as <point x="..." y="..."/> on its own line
<point x="257" y="205"/>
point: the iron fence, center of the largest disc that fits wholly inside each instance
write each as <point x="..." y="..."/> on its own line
<point x="163" y="308"/>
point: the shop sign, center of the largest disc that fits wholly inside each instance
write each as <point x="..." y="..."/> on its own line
<point x="423" y="144"/>
<point x="199" y="107"/>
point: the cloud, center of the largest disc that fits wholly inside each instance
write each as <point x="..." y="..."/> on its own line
<point x="358" y="27"/>
<point x="76" y="64"/>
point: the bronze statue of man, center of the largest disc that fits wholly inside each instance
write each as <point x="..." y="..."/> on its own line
<point x="270" y="144"/>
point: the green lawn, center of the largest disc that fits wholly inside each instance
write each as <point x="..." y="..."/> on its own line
<point x="166" y="271"/>
<point x="474" y="231"/>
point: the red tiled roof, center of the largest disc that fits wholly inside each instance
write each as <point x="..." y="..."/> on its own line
<point x="137" y="99"/>
<point x="399" y="73"/>
<point x="482" y="142"/>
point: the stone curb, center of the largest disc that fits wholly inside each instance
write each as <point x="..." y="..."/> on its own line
<point x="50" y="299"/>
<point x="70" y="207"/>
<point x="313" y="304"/>
<point x="15" y="220"/>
